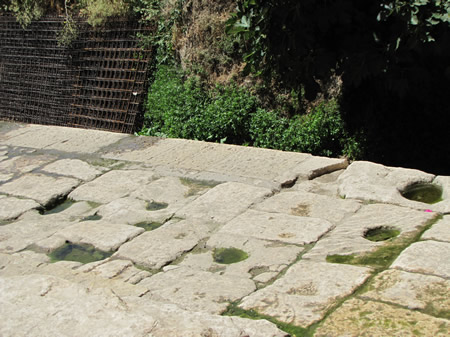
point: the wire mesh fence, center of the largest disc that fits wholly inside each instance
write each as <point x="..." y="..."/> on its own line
<point x="99" y="82"/>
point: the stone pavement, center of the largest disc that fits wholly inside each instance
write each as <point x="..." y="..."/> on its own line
<point x="198" y="238"/>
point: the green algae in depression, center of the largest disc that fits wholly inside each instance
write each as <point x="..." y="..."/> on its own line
<point x="381" y="233"/>
<point x="79" y="253"/>
<point x="149" y="226"/>
<point x="229" y="255"/>
<point x="426" y="193"/>
<point x="60" y="207"/>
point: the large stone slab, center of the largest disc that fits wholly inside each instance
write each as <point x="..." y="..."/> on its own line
<point x="440" y="231"/>
<point x="74" y="168"/>
<point x="414" y="291"/>
<point x="121" y="270"/>
<point x="305" y="293"/>
<point x="223" y="202"/>
<point x="374" y="182"/>
<point x="265" y="260"/>
<point x="41" y="305"/>
<point x="263" y="164"/>
<point x="157" y="248"/>
<point x="158" y="152"/>
<point x="21" y="263"/>
<point x="196" y="290"/>
<point x="348" y="237"/>
<point x="11" y="207"/>
<point x="309" y="205"/>
<point x="112" y="185"/>
<point x="366" y="318"/>
<point x="30" y="229"/>
<point x="24" y="163"/>
<point x="104" y="236"/>
<point x="277" y="227"/>
<point x="428" y="257"/>
<point x="61" y="138"/>
<point x="131" y="211"/>
<point x="42" y="188"/>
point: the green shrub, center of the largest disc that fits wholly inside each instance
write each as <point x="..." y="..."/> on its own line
<point x="320" y="132"/>
<point x="185" y="109"/>
<point x="226" y="117"/>
<point x="267" y="129"/>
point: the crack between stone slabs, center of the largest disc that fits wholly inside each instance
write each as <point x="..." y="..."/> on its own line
<point x="309" y="331"/>
<point x="252" y="314"/>
<point x="363" y="287"/>
<point x="419" y="272"/>
<point x="400" y="306"/>
<point x="433" y="239"/>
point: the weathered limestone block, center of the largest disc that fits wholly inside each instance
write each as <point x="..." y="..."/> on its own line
<point x="414" y="291"/>
<point x="196" y="290"/>
<point x="360" y="318"/>
<point x="305" y="293"/>
<point x="263" y="256"/>
<point x="42" y="305"/>
<point x="21" y="263"/>
<point x="309" y="205"/>
<point x="119" y="270"/>
<point x="104" y="236"/>
<point x="131" y="211"/>
<point x="157" y="248"/>
<point x="277" y="227"/>
<point x="439" y="232"/>
<point x="73" y="167"/>
<point x="61" y="138"/>
<point x="42" y="188"/>
<point x="169" y="190"/>
<point x="428" y="257"/>
<point x="206" y="156"/>
<point x="263" y="164"/>
<point x="223" y="202"/>
<point x="162" y="152"/>
<point x="11" y="207"/>
<point x="24" y="164"/>
<point x="112" y="185"/>
<point x="30" y="229"/>
<point x="348" y="237"/>
<point x="374" y="182"/>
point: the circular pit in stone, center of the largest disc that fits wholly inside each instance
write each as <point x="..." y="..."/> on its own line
<point x="229" y="255"/>
<point x="381" y="233"/>
<point x="427" y="193"/>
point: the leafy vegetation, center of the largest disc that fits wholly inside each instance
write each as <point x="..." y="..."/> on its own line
<point x="230" y="114"/>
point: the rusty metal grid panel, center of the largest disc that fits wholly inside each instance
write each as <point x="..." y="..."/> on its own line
<point x="111" y="82"/>
<point x="99" y="82"/>
<point x="36" y="76"/>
